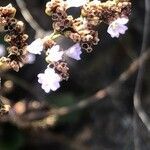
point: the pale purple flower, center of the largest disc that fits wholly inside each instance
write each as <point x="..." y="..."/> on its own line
<point x="49" y="80"/>
<point x="74" y="51"/>
<point x="36" y="47"/>
<point x="31" y="58"/>
<point x="76" y="3"/>
<point x="54" y="54"/>
<point x="118" y="27"/>
<point x="2" y="50"/>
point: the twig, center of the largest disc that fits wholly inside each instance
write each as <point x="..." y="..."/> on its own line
<point x="100" y="95"/>
<point x="28" y="17"/>
<point x="137" y="94"/>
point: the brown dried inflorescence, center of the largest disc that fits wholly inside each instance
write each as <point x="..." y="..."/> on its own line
<point x="106" y="11"/>
<point x="15" y="37"/>
<point x="76" y="29"/>
<point x="57" y="9"/>
<point x="5" y="13"/>
<point x="62" y="69"/>
<point x="48" y="43"/>
<point x="83" y="29"/>
<point x="83" y="34"/>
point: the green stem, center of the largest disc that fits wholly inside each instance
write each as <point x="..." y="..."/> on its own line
<point x="54" y="35"/>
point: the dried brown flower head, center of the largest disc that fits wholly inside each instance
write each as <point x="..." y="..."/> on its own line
<point x="15" y="37"/>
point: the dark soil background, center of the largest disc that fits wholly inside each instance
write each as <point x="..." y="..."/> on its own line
<point x="110" y="124"/>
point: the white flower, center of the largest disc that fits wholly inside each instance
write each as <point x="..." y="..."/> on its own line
<point x="36" y="47"/>
<point x="49" y="80"/>
<point x="96" y="1"/>
<point x="2" y="50"/>
<point x="76" y="3"/>
<point x="54" y="54"/>
<point x="31" y="58"/>
<point x="118" y="27"/>
<point x="74" y="51"/>
<point x="9" y="5"/>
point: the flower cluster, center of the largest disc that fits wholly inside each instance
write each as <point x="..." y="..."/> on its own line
<point x="81" y="30"/>
<point x="114" y="13"/>
<point x="6" y="13"/>
<point x="15" y="37"/>
<point x="57" y="69"/>
<point x="57" y="9"/>
<point x="97" y="12"/>
<point x="75" y="29"/>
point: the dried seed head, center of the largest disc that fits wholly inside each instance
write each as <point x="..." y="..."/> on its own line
<point x="89" y="50"/>
<point x="87" y="38"/>
<point x="75" y="37"/>
<point x="53" y="5"/>
<point x="48" y="42"/>
<point x="15" y="37"/>
<point x="62" y="69"/>
<point x="14" y="65"/>
<point x="13" y="50"/>
<point x="55" y="17"/>
<point x="7" y="38"/>
<point x="19" y="26"/>
<point x="8" y="11"/>
<point x="24" y="37"/>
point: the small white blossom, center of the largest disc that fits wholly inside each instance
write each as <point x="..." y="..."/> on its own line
<point x="76" y="3"/>
<point x="96" y="1"/>
<point x="2" y="50"/>
<point x="54" y="54"/>
<point x="9" y="5"/>
<point x="31" y="58"/>
<point x="49" y="80"/>
<point x="36" y="47"/>
<point x="118" y="27"/>
<point x="74" y="51"/>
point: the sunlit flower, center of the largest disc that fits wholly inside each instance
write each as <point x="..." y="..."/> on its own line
<point x="74" y="52"/>
<point x="54" y="54"/>
<point x="96" y="1"/>
<point x="36" y="47"/>
<point x="49" y="80"/>
<point x="118" y="27"/>
<point x="2" y="50"/>
<point x="31" y="58"/>
<point x="76" y="3"/>
<point x="9" y="5"/>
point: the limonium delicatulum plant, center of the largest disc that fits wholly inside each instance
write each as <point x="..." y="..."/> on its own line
<point x="82" y="31"/>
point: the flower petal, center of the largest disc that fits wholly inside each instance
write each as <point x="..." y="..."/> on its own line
<point x="123" y="20"/>
<point x="54" y="54"/>
<point x="74" y="52"/>
<point x="117" y="27"/>
<point x="36" y="47"/>
<point x="49" y="80"/>
<point x="31" y="58"/>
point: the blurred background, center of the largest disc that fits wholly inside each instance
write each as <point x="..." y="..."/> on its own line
<point x="108" y="124"/>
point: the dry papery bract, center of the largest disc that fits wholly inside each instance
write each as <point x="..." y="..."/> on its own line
<point x="15" y="37"/>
